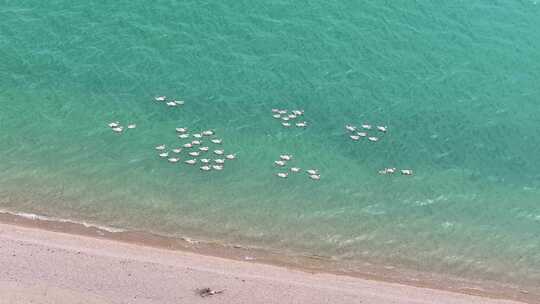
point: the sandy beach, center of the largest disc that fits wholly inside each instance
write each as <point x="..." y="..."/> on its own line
<point x="40" y="266"/>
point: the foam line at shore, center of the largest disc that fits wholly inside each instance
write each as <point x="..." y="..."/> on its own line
<point x="37" y="217"/>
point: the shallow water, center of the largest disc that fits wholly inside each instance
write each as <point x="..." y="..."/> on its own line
<point x="456" y="84"/>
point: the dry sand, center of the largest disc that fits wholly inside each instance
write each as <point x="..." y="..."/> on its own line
<point x="38" y="266"/>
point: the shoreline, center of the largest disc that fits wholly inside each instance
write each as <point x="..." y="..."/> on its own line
<point x="313" y="265"/>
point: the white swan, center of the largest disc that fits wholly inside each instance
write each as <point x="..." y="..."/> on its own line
<point x="312" y="171"/>
<point x="382" y="128"/>
<point x="160" y="98"/>
<point x="354" y="137"/>
<point x="298" y="112"/>
<point x="191" y="161"/>
<point x="118" y="129"/>
<point x="275" y="110"/>
<point x="179" y="102"/>
<point x="203" y="149"/>
<point x="173" y="159"/>
<point x="183" y="136"/>
<point x="302" y="124"/>
<point x="164" y="154"/>
<point x="373" y="138"/>
<point x="285" y="118"/>
<point x="217" y="167"/>
<point x="282" y="112"/>
<point x="114" y="124"/>
<point x="367" y="127"/>
<point x="194" y="153"/>
<point x="206" y="168"/>
<point x="406" y="172"/>
<point x="216" y="141"/>
<point x="178" y="150"/>
<point x="219" y="161"/>
<point x="171" y="104"/>
<point x="160" y="147"/>
<point x="295" y="169"/>
<point x="218" y="152"/>
<point x="315" y="176"/>
<point x="131" y="126"/>
<point x="280" y="163"/>
<point x="207" y="133"/>
<point x="350" y="128"/>
<point x="282" y="174"/>
<point x="292" y="116"/>
<point x="188" y="145"/>
<point x="230" y="156"/>
<point x="197" y="135"/>
<point x="286" y="124"/>
<point x="387" y="171"/>
<point x="361" y="134"/>
<point x="181" y="130"/>
<point x="276" y="116"/>
<point x="285" y="157"/>
<point x="196" y="142"/>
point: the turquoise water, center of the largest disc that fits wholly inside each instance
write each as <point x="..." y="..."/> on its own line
<point x="455" y="82"/>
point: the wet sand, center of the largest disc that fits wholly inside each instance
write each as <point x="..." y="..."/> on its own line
<point x="40" y="266"/>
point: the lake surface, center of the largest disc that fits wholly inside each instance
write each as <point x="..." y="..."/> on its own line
<point x="457" y="85"/>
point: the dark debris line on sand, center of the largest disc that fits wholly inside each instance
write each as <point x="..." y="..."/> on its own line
<point x="205" y="292"/>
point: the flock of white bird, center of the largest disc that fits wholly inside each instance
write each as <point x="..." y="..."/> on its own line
<point x="118" y="128"/>
<point x="196" y="146"/>
<point x="356" y="134"/>
<point x="198" y="150"/>
<point x="283" y="161"/>
<point x="172" y="103"/>
<point x="289" y="119"/>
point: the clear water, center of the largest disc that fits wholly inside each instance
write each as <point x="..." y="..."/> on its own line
<point x="456" y="83"/>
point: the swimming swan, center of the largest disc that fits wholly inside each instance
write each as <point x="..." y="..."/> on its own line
<point x="407" y="172"/>
<point x="315" y="176"/>
<point x="191" y="161"/>
<point x="181" y="130"/>
<point x="280" y="163"/>
<point x="350" y="128"/>
<point x="285" y="157"/>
